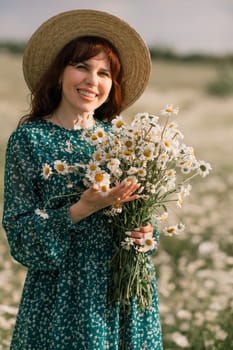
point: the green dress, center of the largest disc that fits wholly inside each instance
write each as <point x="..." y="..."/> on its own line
<point x="64" y="304"/>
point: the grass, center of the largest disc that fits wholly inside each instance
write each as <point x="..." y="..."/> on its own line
<point x="195" y="270"/>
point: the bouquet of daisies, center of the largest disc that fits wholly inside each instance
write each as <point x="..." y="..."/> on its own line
<point x="151" y="152"/>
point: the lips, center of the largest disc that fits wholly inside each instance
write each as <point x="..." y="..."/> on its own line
<point x="87" y="93"/>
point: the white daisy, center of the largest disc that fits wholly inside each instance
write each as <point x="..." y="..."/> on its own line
<point x="203" y="168"/>
<point x="113" y="164"/>
<point x="127" y="243"/>
<point x="131" y="179"/>
<point x="101" y="177"/>
<point x="100" y="134"/>
<point x="118" y="123"/>
<point x="149" y="242"/>
<point x="92" y="167"/>
<point x="141" y="172"/>
<point x="169" y="110"/>
<point x="104" y="188"/>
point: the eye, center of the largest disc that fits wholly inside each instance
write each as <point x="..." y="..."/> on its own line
<point x="105" y="73"/>
<point x="81" y="66"/>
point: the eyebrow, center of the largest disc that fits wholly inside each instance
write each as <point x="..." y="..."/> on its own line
<point x="101" y="68"/>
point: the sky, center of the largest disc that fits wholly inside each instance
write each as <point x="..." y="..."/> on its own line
<point x="204" y="26"/>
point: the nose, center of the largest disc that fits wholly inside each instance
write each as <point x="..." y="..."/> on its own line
<point x="92" y="78"/>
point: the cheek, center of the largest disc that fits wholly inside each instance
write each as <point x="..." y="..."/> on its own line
<point x="108" y="87"/>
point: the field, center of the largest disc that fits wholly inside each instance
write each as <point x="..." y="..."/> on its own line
<point x="195" y="269"/>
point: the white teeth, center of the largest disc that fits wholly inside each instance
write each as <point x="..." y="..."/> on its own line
<point x="86" y="93"/>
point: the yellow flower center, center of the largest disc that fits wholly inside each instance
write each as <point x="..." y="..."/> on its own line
<point x="148" y="242"/>
<point x="100" y="134"/>
<point x="47" y="171"/>
<point x="129" y="144"/>
<point x="108" y="156"/>
<point x="117" y="205"/>
<point x="128" y="152"/>
<point x="167" y="143"/>
<point x="97" y="157"/>
<point x="99" y="177"/>
<point x="92" y="167"/>
<point x="140" y="172"/>
<point x="94" y="137"/>
<point x="104" y="188"/>
<point x="171" y="230"/>
<point x="119" y="123"/>
<point x="169" y="109"/>
<point x="147" y="153"/>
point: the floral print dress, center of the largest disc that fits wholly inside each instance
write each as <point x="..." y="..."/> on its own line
<point x="64" y="301"/>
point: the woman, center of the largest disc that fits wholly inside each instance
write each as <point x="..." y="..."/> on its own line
<point x="81" y="74"/>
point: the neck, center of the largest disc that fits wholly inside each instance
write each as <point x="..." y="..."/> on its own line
<point x="74" y="122"/>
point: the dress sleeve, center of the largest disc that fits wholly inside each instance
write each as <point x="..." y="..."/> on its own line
<point x="37" y="241"/>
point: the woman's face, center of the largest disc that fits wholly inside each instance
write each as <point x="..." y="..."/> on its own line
<point x="86" y="86"/>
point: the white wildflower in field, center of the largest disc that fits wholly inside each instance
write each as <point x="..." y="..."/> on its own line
<point x="180" y="340"/>
<point x="184" y="314"/>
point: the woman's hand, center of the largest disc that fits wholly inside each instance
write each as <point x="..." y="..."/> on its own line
<point x="140" y="234"/>
<point x="92" y="200"/>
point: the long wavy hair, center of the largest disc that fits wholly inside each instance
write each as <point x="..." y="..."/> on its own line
<point x="46" y="96"/>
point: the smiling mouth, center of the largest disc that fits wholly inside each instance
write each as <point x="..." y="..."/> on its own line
<point x="87" y="93"/>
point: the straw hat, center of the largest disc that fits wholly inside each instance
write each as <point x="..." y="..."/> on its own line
<point x="57" y="31"/>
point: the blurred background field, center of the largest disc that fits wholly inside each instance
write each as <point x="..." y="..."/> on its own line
<point x="195" y="269"/>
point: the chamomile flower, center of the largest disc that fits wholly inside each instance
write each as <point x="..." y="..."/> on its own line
<point x="171" y="173"/>
<point x="92" y="167"/>
<point x="132" y="170"/>
<point x="118" y="123"/>
<point x="173" y="230"/>
<point x="162" y="160"/>
<point x="104" y="188"/>
<point x="113" y="164"/>
<point x="116" y="208"/>
<point x="163" y="217"/>
<point x="168" y="144"/>
<point x="185" y="190"/>
<point x="203" y="168"/>
<point x="97" y="156"/>
<point x="148" y="152"/>
<point x="94" y="139"/>
<point x="149" y="242"/>
<point x="128" y="243"/>
<point x="141" y="172"/>
<point x="131" y="179"/>
<point x="101" y="177"/>
<point x="46" y="171"/>
<point x="61" y="167"/>
<point x="169" y="110"/>
<point x="100" y="134"/>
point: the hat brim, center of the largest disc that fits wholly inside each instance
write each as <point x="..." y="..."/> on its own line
<point x="56" y="32"/>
